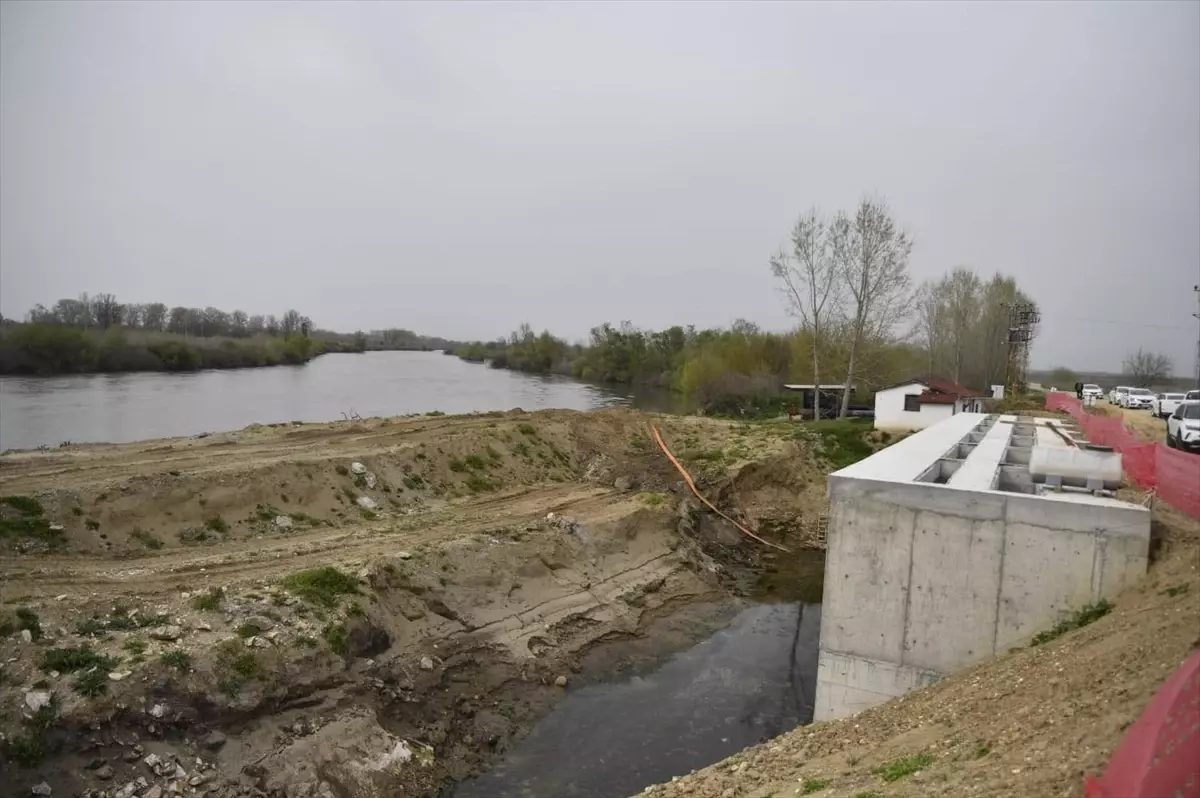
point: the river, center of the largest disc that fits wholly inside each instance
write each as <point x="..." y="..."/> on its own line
<point x="116" y="408"/>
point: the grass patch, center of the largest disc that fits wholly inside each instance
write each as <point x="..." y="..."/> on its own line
<point x="322" y="586"/>
<point x="842" y="440"/>
<point x="479" y="484"/>
<point x="23" y="517"/>
<point x="474" y="462"/>
<point x="368" y="515"/>
<point x="527" y="429"/>
<point x="246" y="665"/>
<point x="209" y="601"/>
<point x="493" y="455"/>
<point x="867" y="794"/>
<point x="813" y="785"/>
<point x="1088" y="614"/>
<point x="906" y="766"/>
<point x="651" y="499"/>
<point x="216" y="524"/>
<point x="93" y="682"/>
<point x="457" y="466"/>
<point x="335" y="635"/>
<point x="92" y="524"/>
<point x="414" y="482"/>
<point x="135" y="646"/>
<point x="28" y="748"/>
<point x="178" y="660"/>
<point x="25" y="505"/>
<point x="74" y="658"/>
<point x="28" y="619"/>
<point x="247" y="630"/>
<point x="146" y="539"/>
<point x="1177" y="590"/>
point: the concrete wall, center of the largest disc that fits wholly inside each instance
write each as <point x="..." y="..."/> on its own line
<point x="923" y="579"/>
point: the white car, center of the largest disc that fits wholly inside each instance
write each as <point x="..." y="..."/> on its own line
<point x="1138" y="399"/>
<point x="1092" y="390"/>
<point x="1165" y="403"/>
<point x="1116" y="395"/>
<point x="1192" y="396"/>
<point x="1183" y="427"/>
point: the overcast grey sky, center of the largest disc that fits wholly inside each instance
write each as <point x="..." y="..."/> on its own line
<point x="458" y="168"/>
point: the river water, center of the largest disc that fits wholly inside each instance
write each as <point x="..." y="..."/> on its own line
<point x="749" y="682"/>
<point x="115" y="408"/>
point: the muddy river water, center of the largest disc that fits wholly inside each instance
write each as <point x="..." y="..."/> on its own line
<point x="116" y="408"/>
<point x="752" y="680"/>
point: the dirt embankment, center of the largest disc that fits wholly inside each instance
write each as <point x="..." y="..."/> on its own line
<point x="356" y="609"/>
<point x="1030" y="723"/>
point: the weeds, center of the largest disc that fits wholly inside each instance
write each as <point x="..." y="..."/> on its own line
<point x="335" y="635"/>
<point x="92" y="524"/>
<point x="842" y="441"/>
<point x="247" y="630"/>
<point x="813" y="785"/>
<point x="93" y="682"/>
<point x="474" y="462"/>
<point x="28" y="619"/>
<point x="23" y="516"/>
<point x="75" y="658"/>
<point x="25" y="505"/>
<point x="135" y="646"/>
<point x="479" y="484"/>
<point x="216" y="524"/>
<point x="414" y="482"/>
<point x="177" y="659"/>
<point x="527" y="429"/>
<point x="146" y="539"/>
<point x="1177" y="590"/>
<point x="210" y="600"/>
<point x="342" y="471"/>
<point x="457" y="466"/>
<point x="322" y="586"/>
<point x="906" y="766"/>
<point x="651" y="499"/>
<point x="306" y="641"/>
<point x="1088" y="614"/>
<point x="368" y="515"/>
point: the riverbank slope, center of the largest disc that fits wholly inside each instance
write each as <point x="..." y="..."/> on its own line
<point x="362" y="608"/>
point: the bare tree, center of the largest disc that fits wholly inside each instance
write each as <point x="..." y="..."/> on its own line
<point x="931" y="321"/>
<point x="1147" y="368"/>
<point x="106" y="311"/>
<point x="154" y="316"/>
<point x="962" y="291"/>
<point x="871" y="257"/>
<point x="809" y="279"/>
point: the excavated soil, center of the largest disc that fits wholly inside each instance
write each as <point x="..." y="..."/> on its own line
<point x="369" y="608"/>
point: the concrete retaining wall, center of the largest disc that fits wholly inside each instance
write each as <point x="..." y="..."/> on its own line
<point x="924" y="579"/>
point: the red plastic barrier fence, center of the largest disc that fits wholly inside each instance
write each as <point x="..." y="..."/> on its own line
<point x="1173" y="474"/>
<point x="1158" y="755"/>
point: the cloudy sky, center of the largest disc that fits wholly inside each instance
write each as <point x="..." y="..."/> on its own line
<point x="458" y="168"/>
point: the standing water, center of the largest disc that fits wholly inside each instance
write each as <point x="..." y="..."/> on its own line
<point x="753" y="680"/>
<point x="116" y="408"/>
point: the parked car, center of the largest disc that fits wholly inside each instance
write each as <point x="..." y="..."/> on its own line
<point x="1116" y="394"/>
<point x="1138" y="399"/>
<point x="1192" y="396"/>
<point x="1165" y="403"/>
<point x="1092" y="390"/>
<point x="1183" y="427"/>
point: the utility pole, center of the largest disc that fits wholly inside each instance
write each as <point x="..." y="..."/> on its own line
<point x="1196" y="288"/>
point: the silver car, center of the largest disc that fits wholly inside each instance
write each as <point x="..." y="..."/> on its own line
<point x="1138" y="399"/>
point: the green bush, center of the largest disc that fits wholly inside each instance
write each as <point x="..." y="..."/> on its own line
<point x="322" y="586"/>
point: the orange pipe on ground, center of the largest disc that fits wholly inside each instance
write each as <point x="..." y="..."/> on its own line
<point x="692" y="485"/>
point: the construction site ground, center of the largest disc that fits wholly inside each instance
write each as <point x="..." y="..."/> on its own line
<point x="384" y="607"/>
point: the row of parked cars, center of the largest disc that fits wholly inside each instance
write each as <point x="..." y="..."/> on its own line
<point x="1181" y="410"/>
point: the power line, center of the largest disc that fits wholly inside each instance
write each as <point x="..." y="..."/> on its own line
<point x="1120" y="322"/>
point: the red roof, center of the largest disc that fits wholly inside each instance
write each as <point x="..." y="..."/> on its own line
<point x="940" y="392"/>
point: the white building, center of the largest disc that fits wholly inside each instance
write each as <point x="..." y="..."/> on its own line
<point x="917" y="404"/>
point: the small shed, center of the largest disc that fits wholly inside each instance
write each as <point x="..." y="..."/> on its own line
<point x="831" y="397"/>
<point x="920" y="403"/>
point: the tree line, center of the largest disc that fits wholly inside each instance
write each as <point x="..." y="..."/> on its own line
<point x="860" y="321"/>
<point x="102" y="311"/>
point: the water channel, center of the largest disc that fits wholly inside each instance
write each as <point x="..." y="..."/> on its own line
<point x="116" y="408"/>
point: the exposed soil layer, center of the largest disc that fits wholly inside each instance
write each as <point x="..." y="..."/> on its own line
<point x="360" y="609"/>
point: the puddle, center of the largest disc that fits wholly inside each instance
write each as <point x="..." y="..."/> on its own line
<point x="752" y="680"/>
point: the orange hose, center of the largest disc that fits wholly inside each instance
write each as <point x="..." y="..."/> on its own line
<point x="691" y="484"/>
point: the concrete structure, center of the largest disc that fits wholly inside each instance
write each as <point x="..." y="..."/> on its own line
<point x="918" y="404"/>
<point x="943" y="551"/>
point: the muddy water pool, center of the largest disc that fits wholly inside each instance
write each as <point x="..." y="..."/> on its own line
<point x="753" y="679"/>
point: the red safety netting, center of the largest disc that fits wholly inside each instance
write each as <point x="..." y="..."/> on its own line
<point x="1158" y="755"/>
<point x="1174" y="475"/>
